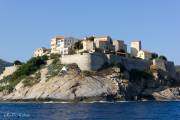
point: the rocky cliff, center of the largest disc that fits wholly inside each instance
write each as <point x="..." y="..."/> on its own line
<point x="68" y="86"/>
<point x="58" y="82"/>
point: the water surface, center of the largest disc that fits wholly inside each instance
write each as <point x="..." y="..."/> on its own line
<point x="91" y="111"/>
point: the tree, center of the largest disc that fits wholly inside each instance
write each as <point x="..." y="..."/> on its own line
<point x="78" y="45"/>
<point x="30" y="67"/>
<point x="162" y="58"/>
<point x="17" y="62"/>
<point x="45" y="57"/>
<point x="91" y="38"/>
<point x="55" y="56"/>
<point x="154" y="56"/>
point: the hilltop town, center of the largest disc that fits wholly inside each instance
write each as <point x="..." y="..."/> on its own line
<point x="93" y="68"/>
<point x="69" y="46"/>
<point x="92" y="53"/>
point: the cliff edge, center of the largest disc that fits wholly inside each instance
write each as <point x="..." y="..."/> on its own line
<point x="54" y="81"/>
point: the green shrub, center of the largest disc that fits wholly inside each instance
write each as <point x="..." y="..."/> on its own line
<point x="8" y="88"/>
<point x="78" y="45"/>
<point x="91" y="38"/>
<point x="30" y="67"/>
<point x="86" y="73"/>
<point x="30" y="81"/>
<point x="162" y="58"/>
<point x="45" y="57"/>
<point x="2" y="88"/>
<point x="55" y="61"/>
<point x="154" y="56"/>
<point x="55" y="56"/>
<point x="54" y="69"/>
<point x="17" y="62"/>
<point x="73" y="66"/>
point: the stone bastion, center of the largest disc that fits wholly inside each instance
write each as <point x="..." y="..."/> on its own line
<point x="96" y="61"/>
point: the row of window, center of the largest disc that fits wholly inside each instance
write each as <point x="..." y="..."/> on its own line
<point x="60" y="44"/>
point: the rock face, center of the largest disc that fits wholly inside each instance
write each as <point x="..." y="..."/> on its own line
<point x="166" y="66"/>
<point x="66" y="87"/>
<point x="164" y="93"/>
<point x="77" y="85"/>
<point x="3" y="64"/>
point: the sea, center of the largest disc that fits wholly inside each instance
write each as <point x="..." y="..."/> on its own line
<point x="150" y="110"/>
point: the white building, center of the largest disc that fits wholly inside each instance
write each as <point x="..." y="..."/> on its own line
<point x="135" y="48"/>
<point x="62" y="45"/>
<point x="41" y="51"/>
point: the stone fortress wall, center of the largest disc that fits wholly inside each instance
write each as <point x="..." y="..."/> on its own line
<point x="8" y="71"/>
<point x="96" y="61"/>
<point x="86" y="61"/>
<point x="130" y="63"/>
<point x="166" y="66"/>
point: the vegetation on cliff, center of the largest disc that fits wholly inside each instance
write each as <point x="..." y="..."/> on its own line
<point x="78" y="45"/>
<point x="30" y="67"/>
<point x="162" y="57"/>
<point x="66" y="81"/>
<point x="17" y="62"/>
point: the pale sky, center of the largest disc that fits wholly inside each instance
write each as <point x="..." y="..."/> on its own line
<point x="27" y="25"/>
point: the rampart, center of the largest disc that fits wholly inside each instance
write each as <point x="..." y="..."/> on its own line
<point x="96" y="61"/>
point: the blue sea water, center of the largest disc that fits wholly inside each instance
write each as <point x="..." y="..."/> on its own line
<point x="91" y="111"/>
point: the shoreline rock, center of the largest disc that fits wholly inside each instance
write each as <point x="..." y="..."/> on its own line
<point x="49" y="83"/>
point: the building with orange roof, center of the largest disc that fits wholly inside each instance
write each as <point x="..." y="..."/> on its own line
<point x="104" y="43"/>
<point x="62" y="45"/>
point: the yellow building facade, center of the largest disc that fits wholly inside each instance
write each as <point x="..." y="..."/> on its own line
<point x="144" y="55"/>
